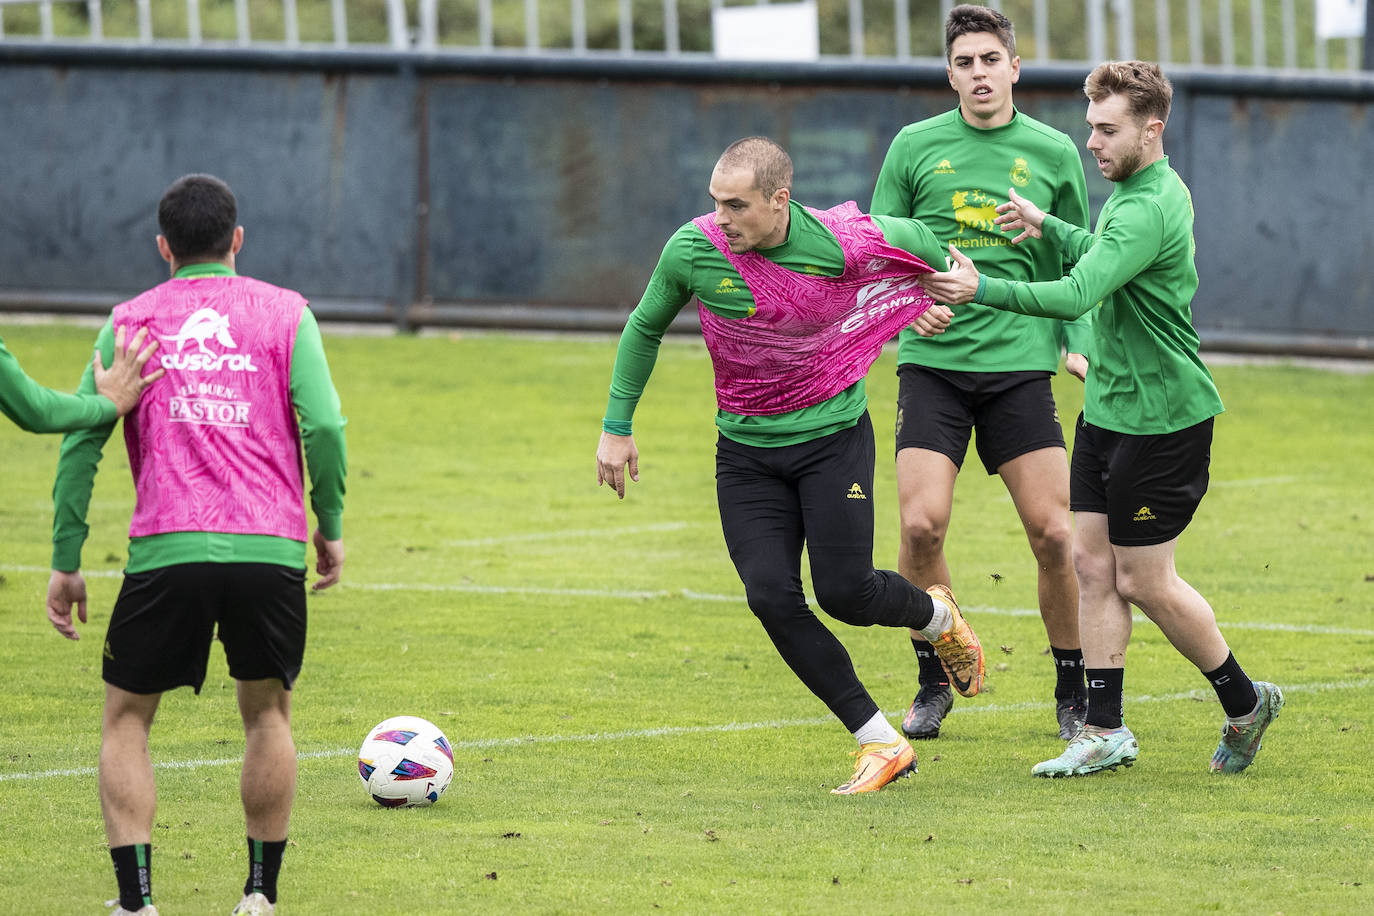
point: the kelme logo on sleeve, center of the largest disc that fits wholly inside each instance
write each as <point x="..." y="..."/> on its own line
<point x="200" y="326"/>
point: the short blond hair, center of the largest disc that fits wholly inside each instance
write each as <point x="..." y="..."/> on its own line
<point x="769" y="162"/>
<point x="1147" y="90"/>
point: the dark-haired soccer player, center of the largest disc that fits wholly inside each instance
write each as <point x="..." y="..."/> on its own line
<point x="1143" y="443"/>
<point x="991" y="370"/>
<point x="218" y="536"/>
<point x="795" y="305"/>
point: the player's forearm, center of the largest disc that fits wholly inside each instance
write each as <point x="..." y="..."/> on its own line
<point x="322" y="423"/>
<point x="634" y="363"/>
<point x="36" y="409"/>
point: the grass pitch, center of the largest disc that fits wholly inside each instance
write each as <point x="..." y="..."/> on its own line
<point x="626" y="738"/>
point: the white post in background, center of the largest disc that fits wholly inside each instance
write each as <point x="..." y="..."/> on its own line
<point x="291" y="25"/>
<point x="1125" y="29"/>
<point x="1164" y="41"/>
<point x="672" y="41"/>
<point x="429" y="25"/>
<point x="145" y="21"/>
<point x="626" y="30"/>
<point x="192" y="21"/>
<point x="245" y="29"/>
<point x="901" y="18"/>
<point x="97" y="17"/>
<point x="579" y="26"/>
<point x="1042" y="31"/>
<point x="1226" y="23"/>
<point x="45" y="20"/>
<point x="1195" y="33"/>
<point x="396" y="24"/>
<point x="339" y="15"/>
<point x="531" y="25"/>
<point x="1097" y="32"/>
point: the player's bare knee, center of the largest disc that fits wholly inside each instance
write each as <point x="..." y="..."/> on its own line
<point x="923" y="536"/>
<point x="1052" y="545"/>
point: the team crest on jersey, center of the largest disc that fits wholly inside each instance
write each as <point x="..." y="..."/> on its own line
<point x="1020" y="172"/>
<point x="199" y="327"/>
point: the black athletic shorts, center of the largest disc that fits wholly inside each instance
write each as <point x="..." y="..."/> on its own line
<point x="1147" y="486"/>
<point x="165" y="619"/>
<point x="1014" y="413"/>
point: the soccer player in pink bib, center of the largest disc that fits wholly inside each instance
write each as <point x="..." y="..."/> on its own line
<point x="218" y="537"/>
<point x="795" y="305"/>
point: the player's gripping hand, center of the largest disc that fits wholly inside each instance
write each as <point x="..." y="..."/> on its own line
<point x="933" y="321"/>
<point x="613" y="454"/>
<point x="124" y="381"/>
<point x="64" y="590"/>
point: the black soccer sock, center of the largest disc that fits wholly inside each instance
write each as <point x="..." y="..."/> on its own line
<point x="1104" y="696"/>
<point x="133" y="867"/>
<point x="1068" y="667"/>
<point x="932" y="673"/>
<point x="1234" y="689"/>
<point x="264" y="864"/>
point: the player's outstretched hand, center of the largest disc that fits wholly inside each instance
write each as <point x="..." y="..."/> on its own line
<point x="124" y="381"/>
<point x="613" y="453"/>
<point x="933" y="321"/>
<point x="64" y="590"/>
<point x="1019" y="213"/>
<point x="329" y="560"/>
<point x="955" y="286"/>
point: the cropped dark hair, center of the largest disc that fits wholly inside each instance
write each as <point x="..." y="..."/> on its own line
<point x="197" y="216"/>
<point x="967" y="19"/>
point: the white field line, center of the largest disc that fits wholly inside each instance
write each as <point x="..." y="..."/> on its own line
<point x="671" y="731"/>
<point x="584" y="534"/>
<point x="690" y="595"/>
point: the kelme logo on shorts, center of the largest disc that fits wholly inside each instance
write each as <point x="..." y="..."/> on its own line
<point x="200" y="326"/>
<point x="1143" y="514"/>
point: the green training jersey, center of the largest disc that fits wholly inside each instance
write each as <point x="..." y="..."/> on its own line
<point x="691" y="265"/>
<point x="321" y="429"/>
<point x="1147" y="377"/>
<point x="952" y="176"/>
<point x="36" y="409"/>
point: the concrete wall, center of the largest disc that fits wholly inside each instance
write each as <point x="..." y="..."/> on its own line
<point x="538" y="191"/>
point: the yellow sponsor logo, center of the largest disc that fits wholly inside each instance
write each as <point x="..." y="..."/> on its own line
<point x="974" y="210"/>
<point x="944" y="168"/>
<point x="1143" y="514"/>
<point x="855" y="492"/>
<point x="727" y="286"/>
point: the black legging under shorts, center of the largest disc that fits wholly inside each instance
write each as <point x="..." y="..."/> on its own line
<point x="772" y="500"/>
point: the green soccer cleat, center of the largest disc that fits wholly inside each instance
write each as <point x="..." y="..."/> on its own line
<point x="1240" y="738"/>
<point x="1092" y="750"/>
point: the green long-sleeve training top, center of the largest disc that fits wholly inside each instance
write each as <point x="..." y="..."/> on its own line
<point x="1147" y="377"/>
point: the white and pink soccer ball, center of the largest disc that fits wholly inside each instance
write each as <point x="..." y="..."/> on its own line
<point x="405" y="762"/>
